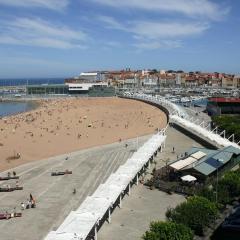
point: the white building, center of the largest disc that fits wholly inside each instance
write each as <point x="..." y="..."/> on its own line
<point x="92" y="76"/>
<point x="77" y="88"/>
<point x="150" y="82"/>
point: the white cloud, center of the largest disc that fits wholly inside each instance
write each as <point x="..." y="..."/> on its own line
<point x="41" y="27"/>
<point x="57" y="5"/>
<point x="157" y="29"/>
<point x="157" y="34"/>
<point x="164" y="44"/>
<point x="113" y="44"/>
<point x="36" y="32"/>
<point x="204" y="8"/>
<point x="111" y="22"/>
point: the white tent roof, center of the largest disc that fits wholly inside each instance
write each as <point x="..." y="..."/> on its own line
<point x="181" y="112"/>
<point x="204" y="132"/>
<point x="188" y="178"/>
<point x="128" y="169"/>
<point x="61" y="236"/>
<point x="111" y="192"/>
<point x="98" y="206"/>
<point x="183" y="163"/>
<point x="121" y="180"/>
<point x="79" y="223"/>
<point x="198" y="155"/>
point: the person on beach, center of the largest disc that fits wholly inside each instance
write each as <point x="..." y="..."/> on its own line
<point x="32" y="201"/>
<point x="28" y="204"/>
<point x="22" y="205"/>
<point x="17" y="184"/>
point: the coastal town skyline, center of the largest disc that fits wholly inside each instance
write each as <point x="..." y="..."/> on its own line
<point x="118" y="118"/>
<point x="62" y="38"/>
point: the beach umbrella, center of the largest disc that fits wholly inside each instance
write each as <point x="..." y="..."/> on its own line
<point x="188" y="178"/>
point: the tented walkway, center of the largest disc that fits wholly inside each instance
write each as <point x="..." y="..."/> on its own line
<point x="87" y="219"/>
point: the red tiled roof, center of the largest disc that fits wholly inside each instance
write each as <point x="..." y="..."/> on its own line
<point x="233" y="100"/>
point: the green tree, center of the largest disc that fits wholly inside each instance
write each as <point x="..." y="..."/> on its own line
<point x="231" y="181"/>
<point x="168" y="231"/>
<point x="207" y="193"/>
<point x="231" y="123"/>
<point x="210" y="194"/>
<point x="197" y="213"/>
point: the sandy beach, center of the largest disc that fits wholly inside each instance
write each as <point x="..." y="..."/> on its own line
<point x="66" y="125"/>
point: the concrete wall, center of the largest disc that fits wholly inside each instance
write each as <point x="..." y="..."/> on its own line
<point x="206" y="143"/>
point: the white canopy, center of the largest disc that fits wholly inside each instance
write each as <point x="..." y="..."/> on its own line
<point x="183" y="163"/>
<point x="121" y="180"/>
<point x="79" y="223"/>
<point x="96" y="205"/>
<point x="204" y="132"/>
<point x="111" y="192"/>
<point x="62" y="236"/>
<point x="188" y="178"/>
<point x="198" y="155"/>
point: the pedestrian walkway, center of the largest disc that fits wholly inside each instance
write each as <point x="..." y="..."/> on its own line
<point x="54" y="195"/>
<point x="145" y="205"/>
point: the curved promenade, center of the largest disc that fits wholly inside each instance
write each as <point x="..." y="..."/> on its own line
<point x="179" y="117"/>
<point x="85" y="222"/>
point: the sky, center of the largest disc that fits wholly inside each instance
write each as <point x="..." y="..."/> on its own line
<point x="62" y="38"/>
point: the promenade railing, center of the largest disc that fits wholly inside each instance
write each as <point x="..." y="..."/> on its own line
<point x="178" y="115"/>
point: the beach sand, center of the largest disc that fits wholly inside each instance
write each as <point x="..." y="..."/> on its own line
<point x="66" y="125"/>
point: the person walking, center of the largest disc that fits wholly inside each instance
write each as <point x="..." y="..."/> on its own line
<point x="22" y="205"/>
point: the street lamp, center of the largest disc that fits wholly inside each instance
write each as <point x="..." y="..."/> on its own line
<point x="217" y="188"/>
<point x="218" y="165"/>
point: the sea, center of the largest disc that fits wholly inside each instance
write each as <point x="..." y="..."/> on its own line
<point x="202" y="102"/>
<point x="11" y="108"/>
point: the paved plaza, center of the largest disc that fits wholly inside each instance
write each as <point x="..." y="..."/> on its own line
<point x="145" y="205"/>
<point x="90" y="168"/>
<point x="54" y="195"/>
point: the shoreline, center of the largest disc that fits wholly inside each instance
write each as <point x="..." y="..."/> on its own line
<point x="32" y="105"/>
<point x="64" y="126"/>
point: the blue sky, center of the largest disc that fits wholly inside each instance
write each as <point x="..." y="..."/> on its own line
<point x="61" y="38"/>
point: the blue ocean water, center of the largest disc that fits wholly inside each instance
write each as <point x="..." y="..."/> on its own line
<point x="11" y="108"/>
<point x="202" y="102"/>
<point x="33" y="81"/>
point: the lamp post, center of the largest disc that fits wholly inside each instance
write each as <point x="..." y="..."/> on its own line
<point x="217" y="188"/>
<point x="217" y="182"/>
